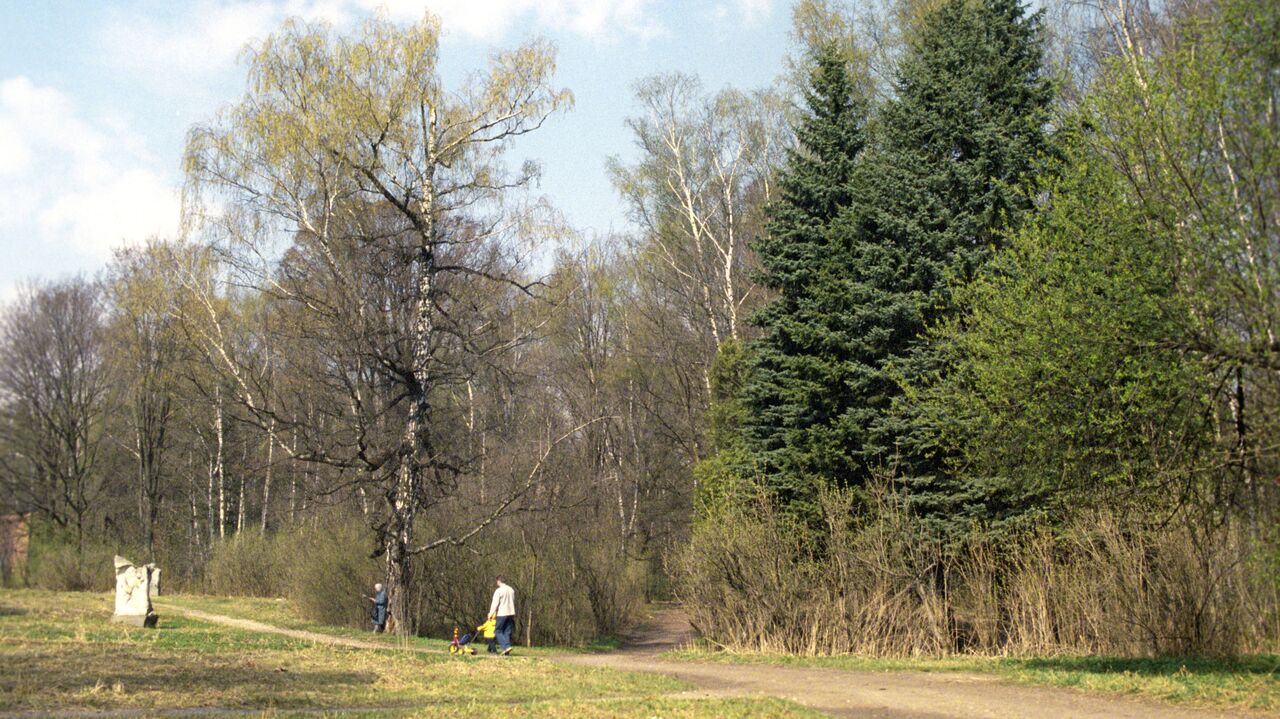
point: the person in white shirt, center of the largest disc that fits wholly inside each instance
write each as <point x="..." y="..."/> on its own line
<point x="503" y="610"/>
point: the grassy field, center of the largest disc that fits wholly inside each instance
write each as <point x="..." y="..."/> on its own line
<point x="1245" y="683"/>
<point x="59" y="651"/>
<point x="280" y="612"/>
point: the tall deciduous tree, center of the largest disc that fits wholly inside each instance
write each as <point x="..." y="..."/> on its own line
<point x="1066" y="389"/>
<point x="54" y="392"/>
<point x="399" y="214"/>
<point x="1186" y="111"/>
<point x="705" y="170"/>
<point x="147" y="349"/>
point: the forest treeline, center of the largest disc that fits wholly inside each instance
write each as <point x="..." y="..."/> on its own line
<point x="962" y="337"/>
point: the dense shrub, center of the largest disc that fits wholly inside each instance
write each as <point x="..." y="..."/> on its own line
<point x="328" y="571"/>
<point x="570" y="588"/>
<point x="754" y="580"/>
<point x="58" y="562"/>
<point x="246" y="565"/>
<point x="62" y="567"/>
<point x="322" y="566"/>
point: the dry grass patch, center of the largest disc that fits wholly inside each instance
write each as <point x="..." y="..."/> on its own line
<point x="58" y="650"/>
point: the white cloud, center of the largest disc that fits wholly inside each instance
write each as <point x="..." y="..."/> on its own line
<point x="181" y="51"/>
<point x="491" y="20"/>
<point x="756" y="10"/>
<point x="200" y="42"/>
<point x="72" y="183"/>
<point x="14" y="155"/>
<point x="9" y="293"/>
<point x="744" y="12"/>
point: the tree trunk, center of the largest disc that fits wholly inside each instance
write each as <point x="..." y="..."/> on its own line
<point x="399" y="535"/>
<point x="266" y="480"/>
<point x="209" y="504"/>
<point x="399" y="580"/>
<point x="143" y="514"/>
<point x="218" y="466"/>
<point x="1242" y="450"/>
<point x="244" y="479"/>
<point x="293" y="475"/>
<point x="414" y="444"/>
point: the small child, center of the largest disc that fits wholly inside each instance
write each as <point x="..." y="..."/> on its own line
<point x="490" y="631"/>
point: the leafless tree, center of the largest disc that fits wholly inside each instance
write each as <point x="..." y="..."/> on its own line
<point x="54" y="387"/>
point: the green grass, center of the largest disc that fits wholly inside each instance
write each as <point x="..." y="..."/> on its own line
<point x="282" y="613"/>
<point x="60" y="651"/>
<point x="1251" y="682"/>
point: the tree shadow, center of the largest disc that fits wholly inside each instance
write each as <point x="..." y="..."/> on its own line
<point x="210" y="675"/>
<point x="12" y="611"/>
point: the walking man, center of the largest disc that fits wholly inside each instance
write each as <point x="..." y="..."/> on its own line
<point x="503" y="610"/>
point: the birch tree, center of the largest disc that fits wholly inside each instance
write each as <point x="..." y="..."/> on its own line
<point x="380" y="210"/>
<point x="705" y="171"/>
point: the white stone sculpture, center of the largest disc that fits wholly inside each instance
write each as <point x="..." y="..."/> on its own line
<point x="133" y="593"/>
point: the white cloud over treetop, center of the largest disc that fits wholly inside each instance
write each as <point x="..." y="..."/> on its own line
<point x="203" y="40"/>
<point x="71" y="183"/>
<point x="207" y="38"/>
<point x="492" y="19"/>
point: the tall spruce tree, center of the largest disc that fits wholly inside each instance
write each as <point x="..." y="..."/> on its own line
<point x="797" y="386"/>
<point x="949" y="173"/>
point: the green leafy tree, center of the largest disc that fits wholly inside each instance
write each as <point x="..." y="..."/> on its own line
<point x="1190" y="123"/>
<point x="720" y="477"/>
<point x="1064" y="390"/>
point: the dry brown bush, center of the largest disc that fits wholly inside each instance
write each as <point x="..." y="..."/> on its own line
<point x="245" y="565"/>
<point x="327" y="571"/>
<point x="569" y="590"/>
<point x="571" y="587"/>
<point x="64" y="567"/>
<point x="755" y="581"/>
<point x="322" y="566"/>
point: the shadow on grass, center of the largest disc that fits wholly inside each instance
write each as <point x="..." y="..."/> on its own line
<point x="1258" y="664"/>
<point x="63" y="676"/>
<point x="11" y="611"/>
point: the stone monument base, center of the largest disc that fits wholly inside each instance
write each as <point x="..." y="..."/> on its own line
<point x="137" y="620"/>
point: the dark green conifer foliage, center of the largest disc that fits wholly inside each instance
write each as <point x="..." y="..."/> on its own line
<point x="795" y="391"/>
<point x="949" y="174"/>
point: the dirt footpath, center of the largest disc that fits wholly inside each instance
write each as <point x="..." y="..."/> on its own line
<point x="891" y="695"/>
<point x="882" y="695"/>
<point x="252" y="626"/>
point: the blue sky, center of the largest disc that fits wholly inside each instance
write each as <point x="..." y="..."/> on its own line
<point x="96" y="97"/>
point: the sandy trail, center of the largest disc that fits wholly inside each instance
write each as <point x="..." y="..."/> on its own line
<point x="252" y="626"/>
<point x="883" y="695"/>
<point x="891" y="695"/>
